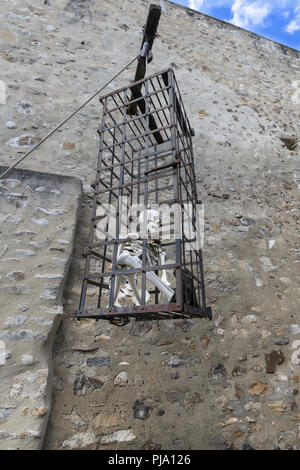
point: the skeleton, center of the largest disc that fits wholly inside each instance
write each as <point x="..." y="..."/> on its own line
<point x="130" y="256"/>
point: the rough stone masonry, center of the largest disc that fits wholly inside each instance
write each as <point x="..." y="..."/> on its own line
<point x="229" y="383"/>
<point x="38" y="218"/>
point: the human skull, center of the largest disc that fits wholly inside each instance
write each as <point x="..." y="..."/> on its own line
<point x="149" y="223"/>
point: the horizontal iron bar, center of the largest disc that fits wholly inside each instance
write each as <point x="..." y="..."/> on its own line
<point x="162" y="167"/>
<point x="124" y="88"/>
<point x="97" y="284"/>
<point x="156" y="309"/>
<point x="141" y="157"/>
<point x="136" y="100"/>
<point x="136" y="137"/>
<point x="135" y="182"/>
<point x="126" y="310"/>
<point x="129" y="271"/>
<point x="138" y="316"/>
<point x="97" y="255"/>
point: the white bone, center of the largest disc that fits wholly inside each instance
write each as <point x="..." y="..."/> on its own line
<point x="134" y="262"/>
<point x="163" y="278"/>
<point x="117" y="292"/>
<point x="136" y="293"/>
<point x="130" y="290"/>
<point x="127" y="291"/>
<point x="164" y="272"/>
<point x="129" y="255"/>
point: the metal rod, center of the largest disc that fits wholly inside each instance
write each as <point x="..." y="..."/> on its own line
<point x="66" y="119"/>
<point x="149" y="36"/>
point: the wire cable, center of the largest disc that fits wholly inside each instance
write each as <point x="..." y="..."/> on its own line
<point x="67" y="119"/>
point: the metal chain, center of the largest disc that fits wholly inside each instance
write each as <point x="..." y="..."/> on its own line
<point x="65" y="120"/>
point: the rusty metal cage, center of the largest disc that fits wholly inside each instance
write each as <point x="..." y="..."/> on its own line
<point x="145" y="159"/>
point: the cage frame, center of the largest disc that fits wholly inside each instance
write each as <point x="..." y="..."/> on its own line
<point x="165" y="125"/>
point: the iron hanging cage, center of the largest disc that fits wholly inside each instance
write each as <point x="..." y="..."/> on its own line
<point x="144" y="257"/>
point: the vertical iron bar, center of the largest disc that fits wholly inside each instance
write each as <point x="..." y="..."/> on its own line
<point x="156" y="202"/>
<point x="147" y="105"/>
<point x="107" y="225"/>
<point x="178" y="242"/>
<point x="121" y="182"/>
<point x="94" y="209"/>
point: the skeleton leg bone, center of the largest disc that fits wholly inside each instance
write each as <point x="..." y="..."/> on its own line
<point x="164" y="273"/>
<point x="128" y="291"/>
<point x="163" y="278"/>
<point x="134" y="288"/>
<point x="133" y="261"/>
<point x="117" y="291"/>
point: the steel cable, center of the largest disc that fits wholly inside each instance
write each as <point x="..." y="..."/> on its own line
<point x="67" y="119"/>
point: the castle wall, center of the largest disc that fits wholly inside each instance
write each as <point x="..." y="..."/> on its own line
<point x="200" y="384"/>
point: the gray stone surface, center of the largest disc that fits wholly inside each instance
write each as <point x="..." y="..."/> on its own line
<point x="26" y="345"/>
<point x="241" y="92"/>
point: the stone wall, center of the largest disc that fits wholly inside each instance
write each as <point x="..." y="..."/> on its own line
<point x="38" y="217"/>
<point x="172" y="384"/>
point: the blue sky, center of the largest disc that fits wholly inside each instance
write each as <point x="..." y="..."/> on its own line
<point x="275" y="19"/>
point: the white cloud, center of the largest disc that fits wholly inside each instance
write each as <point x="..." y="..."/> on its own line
<point x="247" y="14"/>
<point x="195" y="4"/>
<point x="294" y="24"/>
